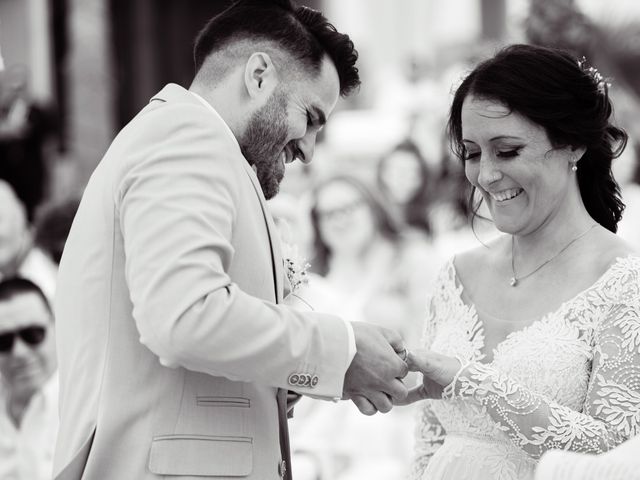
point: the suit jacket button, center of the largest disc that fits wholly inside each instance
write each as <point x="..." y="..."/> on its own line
<point x="294" y="378"/>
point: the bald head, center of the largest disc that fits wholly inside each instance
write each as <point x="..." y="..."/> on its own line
<point x="14" y="229"/>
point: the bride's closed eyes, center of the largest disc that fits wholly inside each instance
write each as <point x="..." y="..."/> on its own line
<point x="500" y="153"/>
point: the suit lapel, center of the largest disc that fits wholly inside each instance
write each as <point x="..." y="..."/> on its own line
<point x="274" y="239"/>
<point x="173" y="92"/>
<point x="278" y="272"/>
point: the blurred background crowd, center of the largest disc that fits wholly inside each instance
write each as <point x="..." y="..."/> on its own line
<point x="382" y="205"/>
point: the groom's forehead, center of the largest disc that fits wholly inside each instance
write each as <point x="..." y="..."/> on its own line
<point x="320" y="90"/>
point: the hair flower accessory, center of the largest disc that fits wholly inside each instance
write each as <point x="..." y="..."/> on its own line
<point x="602" y="84"/>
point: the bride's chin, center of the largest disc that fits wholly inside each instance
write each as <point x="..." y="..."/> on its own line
<point x="507" y="227"/>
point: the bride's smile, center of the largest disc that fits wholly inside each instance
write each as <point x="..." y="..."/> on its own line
<point x="525" y="181"/>
<point x="505" y="195"/>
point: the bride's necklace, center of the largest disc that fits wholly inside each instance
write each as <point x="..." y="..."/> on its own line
<point x="515" y="279"/>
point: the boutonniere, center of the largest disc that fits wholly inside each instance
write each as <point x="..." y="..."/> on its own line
<point x="295" y="266"/>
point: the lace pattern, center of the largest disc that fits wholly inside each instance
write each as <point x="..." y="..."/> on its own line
<point x="429" y="436"/>
<point x="570" y="380"/>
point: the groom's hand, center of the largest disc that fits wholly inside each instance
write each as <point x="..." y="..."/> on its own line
<point x="372" y="381"/>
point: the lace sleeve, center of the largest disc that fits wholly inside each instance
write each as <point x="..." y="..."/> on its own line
<point x="429" y="435"/>
<point x="611" y="411"/>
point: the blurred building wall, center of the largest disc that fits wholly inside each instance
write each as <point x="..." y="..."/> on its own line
<point x="25" y="35"/>
<point x="90" y="96"/>
<point x="153" y="43"/>
<point x="153" y="46"/>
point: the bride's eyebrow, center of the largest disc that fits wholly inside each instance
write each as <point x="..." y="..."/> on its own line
<point x="498" y="137"/>
<point x="506" y="137"/>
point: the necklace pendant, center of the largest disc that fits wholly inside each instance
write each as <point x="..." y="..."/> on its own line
<point x="513" y="282"/>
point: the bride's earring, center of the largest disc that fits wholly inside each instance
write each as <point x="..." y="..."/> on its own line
<point x="573" y="162"/>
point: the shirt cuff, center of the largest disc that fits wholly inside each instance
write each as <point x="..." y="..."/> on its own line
<point x="351" y="348"/>
<point x="352" y="342"/>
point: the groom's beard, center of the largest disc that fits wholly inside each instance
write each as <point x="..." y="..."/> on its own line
<point x="263" y="142"/>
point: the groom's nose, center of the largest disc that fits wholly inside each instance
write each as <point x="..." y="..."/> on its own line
<point x="307" y="145"/>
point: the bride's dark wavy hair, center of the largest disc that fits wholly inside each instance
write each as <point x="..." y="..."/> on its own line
<point x="569" y="100"/>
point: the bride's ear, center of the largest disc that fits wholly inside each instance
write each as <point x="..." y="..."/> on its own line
<point x="577" y="153"/>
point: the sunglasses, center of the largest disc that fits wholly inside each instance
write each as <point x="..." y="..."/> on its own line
<point x="33" y="335"/>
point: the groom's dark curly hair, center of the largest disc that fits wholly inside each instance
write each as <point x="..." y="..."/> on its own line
<point x="302" y="33"/>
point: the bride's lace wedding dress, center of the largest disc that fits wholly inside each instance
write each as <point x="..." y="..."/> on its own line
<point x="570" y="380"/>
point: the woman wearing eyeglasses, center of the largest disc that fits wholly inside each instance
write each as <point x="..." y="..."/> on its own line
<point x="364" y="269"/>
<point x="29" y="390"/>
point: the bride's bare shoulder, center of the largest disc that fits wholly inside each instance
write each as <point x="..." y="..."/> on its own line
<point x="479" y="259"/>
<point x="608" y="247"/>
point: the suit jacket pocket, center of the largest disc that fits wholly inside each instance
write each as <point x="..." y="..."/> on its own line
<point x="201" y="455"/>
<point x="211" y="401"/>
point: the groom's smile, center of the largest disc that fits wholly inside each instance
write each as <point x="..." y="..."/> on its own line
<point x="285" y="127"/>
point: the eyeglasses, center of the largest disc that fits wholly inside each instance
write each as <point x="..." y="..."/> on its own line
<point x="33" y="335"/>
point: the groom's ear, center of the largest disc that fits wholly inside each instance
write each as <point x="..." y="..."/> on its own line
<point x="260" y="76"/>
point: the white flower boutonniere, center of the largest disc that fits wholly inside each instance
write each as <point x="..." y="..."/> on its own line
<point x="295" y="267"/>
<point x="297" y="279"/>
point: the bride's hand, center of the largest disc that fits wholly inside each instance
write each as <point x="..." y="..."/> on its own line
<point x="438" y="371"/>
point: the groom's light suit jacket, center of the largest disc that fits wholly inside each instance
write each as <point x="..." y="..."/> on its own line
<point x="173" y="352"/>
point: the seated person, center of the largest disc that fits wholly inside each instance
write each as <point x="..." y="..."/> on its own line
<point x="18" y="254"/>
<point x="29" y="389"/>
<point x="52" y="227"/>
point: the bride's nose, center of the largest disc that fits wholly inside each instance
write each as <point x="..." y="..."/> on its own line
<point x="489" y="172"/>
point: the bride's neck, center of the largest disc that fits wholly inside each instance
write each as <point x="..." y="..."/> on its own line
<point x="552" y="236"/>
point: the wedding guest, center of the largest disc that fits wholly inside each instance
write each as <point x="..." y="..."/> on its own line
<point x="533" y="337"/>
<point x="52" y="227"/>
<point x="18" y="254"/>
<point x="26" y="129"/>
<point x="15" y="234"/>
<point x="176" y="353"/>
<point x="621" y="463"/>
<point x="364" y="270"/>
<point x="29" y="393"/>
<point x="376" y="274"/>
<point x="403" y="177"/>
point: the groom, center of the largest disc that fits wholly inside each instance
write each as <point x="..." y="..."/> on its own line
<point x="175" y="355"/>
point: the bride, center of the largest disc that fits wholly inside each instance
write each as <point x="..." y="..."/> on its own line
<point x="533" y="340"/>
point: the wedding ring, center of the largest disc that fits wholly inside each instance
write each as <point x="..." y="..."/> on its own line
<point x="403" y="354"/>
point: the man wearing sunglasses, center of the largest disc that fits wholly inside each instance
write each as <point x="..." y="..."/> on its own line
<point x="29" y="387"/>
